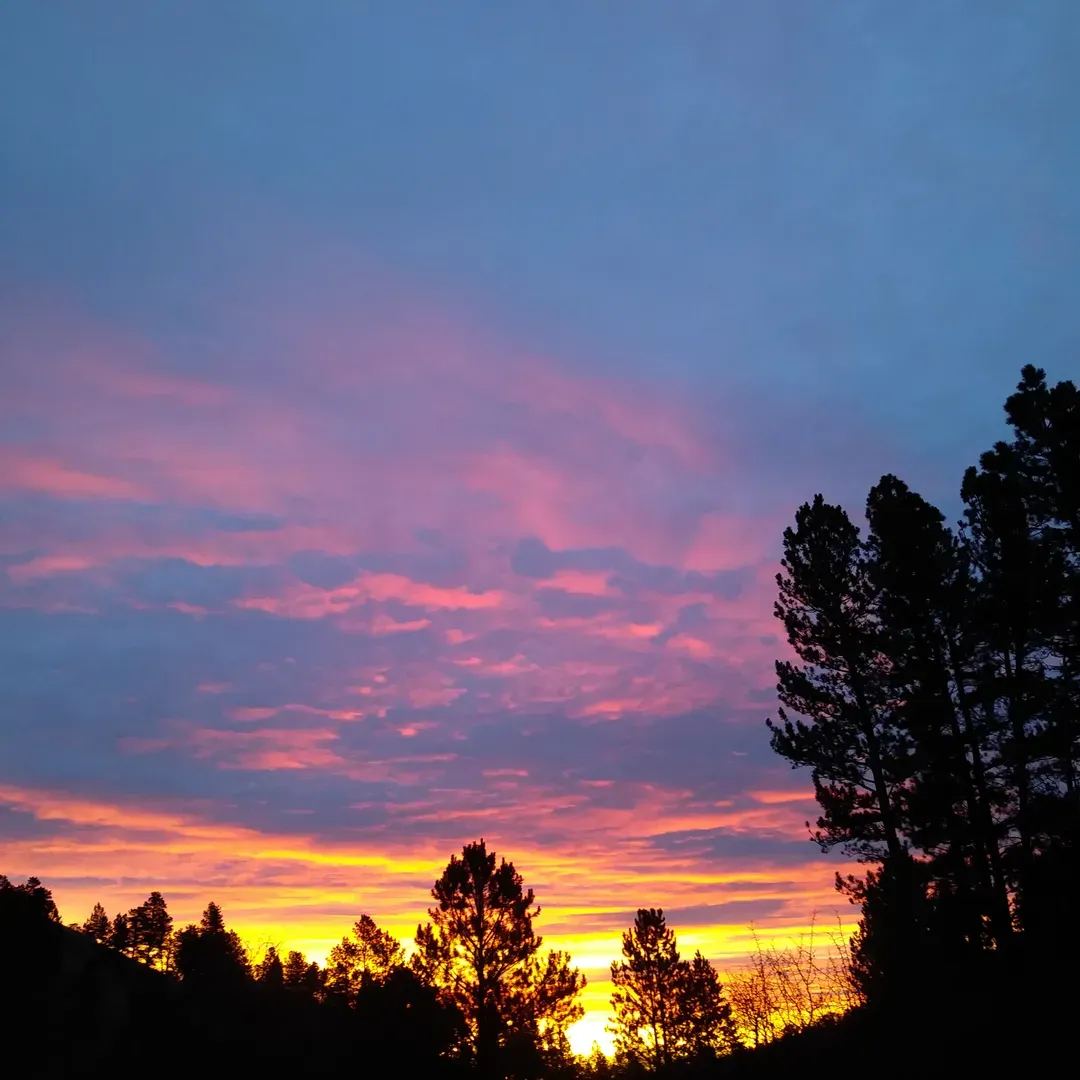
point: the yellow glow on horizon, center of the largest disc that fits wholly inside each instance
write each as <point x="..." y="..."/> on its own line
<point x="297" y="893"/>
<point x="592" y="1029"/>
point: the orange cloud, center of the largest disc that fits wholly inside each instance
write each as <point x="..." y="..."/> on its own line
<point x="773" y="797"/>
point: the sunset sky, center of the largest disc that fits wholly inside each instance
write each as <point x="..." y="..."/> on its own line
<point x="401" y="405"/>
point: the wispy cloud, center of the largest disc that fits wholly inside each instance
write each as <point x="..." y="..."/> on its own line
<point x="303" y="630"/>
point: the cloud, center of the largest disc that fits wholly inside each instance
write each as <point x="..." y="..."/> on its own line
<point x="24" y="472"/>
<point x="447" y="466"/>
<point x="374" y="592"/>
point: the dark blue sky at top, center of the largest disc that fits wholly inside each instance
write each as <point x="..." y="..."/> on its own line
<point x="871" y="203"/>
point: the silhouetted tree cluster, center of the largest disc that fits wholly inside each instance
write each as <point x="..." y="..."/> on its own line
<point x="144" y="933"/>
<point x="211" y="955"/>
<point x="477" y="996"/>
<point x="935" y="696"/>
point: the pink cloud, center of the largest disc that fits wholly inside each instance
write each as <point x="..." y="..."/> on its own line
<point x="266" y="749"/>
<point x="311" y="602"/>
<point x="21" y="471"/>
<point x="48" y="565"/>
<point x="393" y="436"/>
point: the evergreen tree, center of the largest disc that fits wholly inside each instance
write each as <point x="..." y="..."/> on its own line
<point x="368" y="953"/>
<point x="857" y="752"/>
<point x="706" y="1026"/>
<point x="296" y="967"/>
<point x="306" y="980"/>
<point x="212" y="921"/>
<point x="540" y="1005"/>
<point x="270" y="971"/>
<point x="120" y="934"/>
<point x="30" y="901"/>
<point x="480" y="950"/>
<point x="211" y="955"/>
<point x="925" y="591"/>
<point x="97" y="925"/>
<point x="937" y="701"/>
<point x="665" y="1008"/>
<point x="647" y="985"/>
<point x="150" y="930"/>
<point x="1015" y="592"/>
<point x="1046" y="453"/>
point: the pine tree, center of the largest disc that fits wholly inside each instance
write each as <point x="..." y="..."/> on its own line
<point x="665" y="1008"/>
<point x="270" y="971"/>
<point x="480" y="950"/>
<point x="97" y="925"/>
<point x="368" y="953"/>
<point x="296" y="966"/>
<point x="647" y="984"/>
<point x="210" y="954"/>
<point x="120" y="934"/>
<point x="150" y="930"/>
<point x="924" y="592"/>
<point x="706" y="1026"/>
<point x="1046" y="450"/>
<point x="857" y="753"/>
<point x="541" y="1003"/>
<point x="212" y="921"/>
<point x="936" y="699"/>
<point x="1015" y="592"/>
<point x="303" y="978"/>
<point x="30" y="901"/>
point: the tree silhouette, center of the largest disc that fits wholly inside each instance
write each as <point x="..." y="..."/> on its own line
<point x="120" y="934"/>
<point x="401" y="1012"/>
<point x="367" y="954"/>
<point x="211" y="955"/>
<point x="150" y="930"/>
<point x="97" y="925"/>
<point x="307" y="980"/>
<point x="706" y="1026"/>
<point x="480" y="948"/>
<point x="1015" y="590"/>
<point x="270" y="971"/>
<point x="1046" y="449"/>
<point x="665" y="1008"/>
<point x="541" y="1005"/>
<point x="937" y="703"/>
<point x="855" y="744"/>
<point x="647" y="983"/>
<point x="857" y="754"/>
<point x="29" y="902"/>
<point x="927" y="602"/>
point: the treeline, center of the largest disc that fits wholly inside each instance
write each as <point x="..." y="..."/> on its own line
<point x="477" y="996"/>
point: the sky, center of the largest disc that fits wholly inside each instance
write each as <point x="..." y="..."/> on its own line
<point x="401" y="406"/>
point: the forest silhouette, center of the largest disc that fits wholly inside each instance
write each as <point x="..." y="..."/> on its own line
<point x="935" y="699"/>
